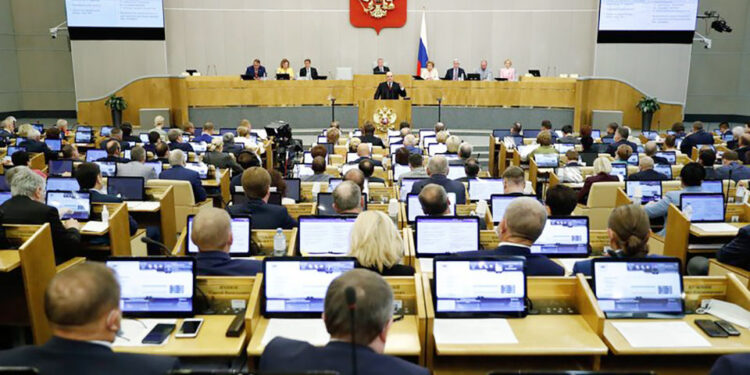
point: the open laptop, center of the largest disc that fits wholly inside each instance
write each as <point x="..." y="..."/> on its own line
<point x="127" y="188"/>
<point x="241" y="236"/>
<point x="649" y="190"/>
<point x="333" y="183"/>
<point x="547" y="160"/>
<point x="156" y="165"/>
<point x="107" y="168"/>
<point x="70" y="204"/>
<point x="500" y="202"/>
<point x="633" y="159"/>
<point x="479" y="287"/>
<point x="155" y="286"/>
<point x="406" y="185"/>
<point x="324" y="235"/>
<point x="562" y="148"/>
<point x="62" y="184"/>
<point x="501" y="133"/>
<point x="83" y="136"/>
<point x="4" y="196"/>
<point x="301" y="170"/>
<point x="564" y="237"/>
<point x="456" y="171"/>
<point x="713" y="186"/>
<point x="414" y="207"/>
<point x="295" y="287"/>
<point x="638" y="287"/>
<point x="54" y="144"/>
<point x="664" y="169"/>
<point x="436" y="148"/>
<point x="472" y="76"/>
<point x="199" y="147"/>
<point x="12" y="150"/>
<point x="325" y="203"/>
<point x="671" y="156"/>
<point x="440" y="235"/>
<point x="95" y="154"/>
<point x="619" y="169"/>
<point x="201" y="168"/>
<point x="144" y="138"/>
<point x="399" y="169"/>
<point x="293" y="188"/>
<point x="535" y="72"/>
<point x="105" y="131"/>
<point x="58" y="167"/>
<point x="706" y="207"/>
<point x="484" y="189"/>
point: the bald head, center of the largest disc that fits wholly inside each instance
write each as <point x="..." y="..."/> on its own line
<point x="523" y="221"/>
<point x="212" y="230"/>
<point x="356" y="176"/>
<point x="650" y="148"/>
<point x="347" y="198"/>
<point x="363" y="150"/>
<point x="437" y="164"/>
<point x="434" y="200"/>
<point x="645" y="163"/>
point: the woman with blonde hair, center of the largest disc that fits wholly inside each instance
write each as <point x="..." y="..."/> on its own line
<point x="452" y="144"/>
<point x="429" y="73"/>
<point x="375" y="242"/>
<point x="333" y="135"/>
<point x="216" y="156"/>
<point x="284" y="68"/>
<point x="602" y="170"/>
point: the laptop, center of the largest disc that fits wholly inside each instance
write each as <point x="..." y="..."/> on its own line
<point x="127" y="188"/>
<point x="58" y="167"/>
<point x="479" y="287"/>
<point x="155" y="286"/>
<point x="83" y="136"/>
<point x="62" y="184"/>
<point x="70" y="204"/>
<point x="456" y="171"/>
<point x="95" y="154"/>
<point x="562" y="148"/>
<point x="105" y="131"/>
<point x="4" y="196"/>
<point x="638" y="287"/>
<point x="484" y="189"/>
<point x="547" y="160"/>
<point x="199" y="147"/>
<point x="12" y="150"/>
<point x="705" y="207"/>
<point x="39" y="127"/>
<point x="4" y="184"/>
<point x="472" y="76"/>
<point x="399" y="169"/>
<point x="144" y="138"/>
<point x="295" y="287"/>
<point x="240" y="198"/>
<point x="156" y="165"/>
<point x="241" y="232"/>
<point x="414" y="207"/>
<point x="535" y="72"/>
<point x="500" y="202"/>
<point x="308" y="159"/>
<point x="608" y="140"/>
<point x="564" y="237"/>
<point x="325" y="203"/>
<point x="293" y="188"/>
<point x="108" y="168"/>
<point x="54" y="144"/>
<point x="394" y="146"/>
<point x="201" y="168"/>
<point x="650" y="134"/>
<point x="333" y="183"/>
<point x="274" y="198"/>
<point x="619" y="169"/>
<point x="84" y="128"/>
<point x="436" y="235"/>
<point x="649" y="190"/>
<point x="501" y="133"/>
<point x="436" y="148"/>
<point x="324" y="235"/>
<point x="664" y="169"/>
<point x="301" y="170"/>
<point x="633" y="159"/>
<point x="282" y="77"/>
<point x="406" y="186"/>
<point x="701" y="146"/>
<point x="712" y="186"/>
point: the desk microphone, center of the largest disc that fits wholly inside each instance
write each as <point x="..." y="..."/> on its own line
<point x="351" y="302"/>
<point x="164" y="249"/>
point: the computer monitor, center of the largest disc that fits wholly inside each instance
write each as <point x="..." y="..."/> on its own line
<point x="301" y="170"/>
<point x="127" y="188"/>
<point x="711" y="147"/>
<point x="499" y="203"/>
<point x="394" y="146"/>
<point x="70" y="204"/>
<point x="633" y="159"/>
<point x="105" y="131"/>
<point x="84" y="128"/>
<point x="664" y="169"/>
<point x="199" y="147"/>
<point x="155" y="287"/>
<point x="638" y="287"/>
<point x="547" y="160"/>
<point x="406" y="185"/>
<point x="126" y="154"/>
<point x="531" y="133"/>
<point x="83" y="136"/>
<point x="619" y="169"/>
<point x="4" y="196"/>
<point x="516" y="139"/>
<point x="62" y="184"/>
<point x="241" y="236"/>
<point x="308" y="159"/>
<point x="435" y="235"/>
<point x="706" y="207"/>
<point x="156" y="165"/>
<point x="333" y="183"/>
<point x="293" y="188"/>
<point x="351" y="156"/>
<point x="648" y="190"/>
<point x="144" y="138"/>
<point x="564" y="236"/>
<point x="456" y="171"/>
<point x="58" y="167"/>
<point x="95" y="154"/>
<point x="650" y="134"/>
<point x="295" y="287"/>
<point x="201" y="168"/>
<point x="325" y="235"/>
<point x="54" y="144"/>
<point x="436" y="148"/>
<point x="564" y="147"/>
<point x="12" y="150"/>
<point x="4" y="184"/>
<point x="325" y="203"/>
<point x="223" y="131"/>
<point x="39" y="127"/>
<point x="107" y="168"/>
<point x="399" y="169"/>
<point x="428" y="140"/>
<point x="479" y="287"/>
<point x="712" y="186"/>
<point x="274" y="198"/>
<point x="608" y="140"/>
<point x="596" y="133"/>
<point x="485" y="188"/>
<point x="414" y="207"/>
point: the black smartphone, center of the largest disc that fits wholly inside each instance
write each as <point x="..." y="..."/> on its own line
<point x="710" y="328"/>
<point x="728" y="327"/>
<point x="158" y="334"/>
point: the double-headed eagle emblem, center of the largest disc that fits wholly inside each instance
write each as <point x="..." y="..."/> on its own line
<point x="377" y="8"/>
<point x="384" y="118"/>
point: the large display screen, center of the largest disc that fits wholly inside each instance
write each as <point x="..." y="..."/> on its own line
<point x="647" y="21"/>
<point x="115" y="19"/>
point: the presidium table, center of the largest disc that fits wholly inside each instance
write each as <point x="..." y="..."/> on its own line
<point x="181" y="93"/>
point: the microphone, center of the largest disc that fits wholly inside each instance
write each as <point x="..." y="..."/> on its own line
<point x="164" y="249"/>
<point x="351" y="302"/>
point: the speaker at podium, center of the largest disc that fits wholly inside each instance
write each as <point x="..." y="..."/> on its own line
<point x="385" y="114"/>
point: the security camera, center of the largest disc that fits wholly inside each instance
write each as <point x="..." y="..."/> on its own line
<point x="53" y="32"/>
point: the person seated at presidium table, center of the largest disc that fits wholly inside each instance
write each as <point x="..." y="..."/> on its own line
<point x="308" y="72"/>
<point x="256" y="71"/>
<point x="389" y="89"/>
<point x="485" y="73"/>
<point x="212" y="233"/>
<point x="256" y="182"/>
<point x="284" y="68"/>
<point x="430" y="73"/>
<point x="456" y="73"/>
<point x="508" y="72"/>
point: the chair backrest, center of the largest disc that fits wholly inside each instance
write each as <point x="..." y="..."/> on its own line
<point x="183" y="191"/>
<point x="603" y="194"/>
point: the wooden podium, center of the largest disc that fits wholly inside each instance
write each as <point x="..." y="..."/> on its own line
<point x="394" y="111"/>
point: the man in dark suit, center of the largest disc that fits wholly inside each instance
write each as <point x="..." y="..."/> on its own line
<point x="697" y="137"/>
<point x="731" y="168"/>
<point x="437" y="169"/>
<point x="113" y="153"/>
<point x="27" y="207"/>
<point x="127" y="133"/>
<point x="347" y="199"/>
<point x="308" y="72"/>
<point x="373" y="313"/>
<point x="162" y="152"/>
<point x="179" y="172"/>
<point x="368" y="168"/>
<point x="82" y="306"/>
<point x="153" y="139"/>
<point x="621" y="138"/>
<point x="650" y="149"/>
<point x="456" y="73"/>
<point x="389" y="89"/>
<point x="34" y="145"/>
<point x="471" y="168"/>
<point x="212" y="233"/>
<point x="646" y="171"/>
<point x="363" y="151"/>
<point x="732" y="364"/>
<point x="707" y="158"/>
<point x="522" y="224"/>
<point x="737" y="251"/>
<point x="369" y="135"/>
<point x="176" y="143"/>
<point x="743" y="146"/>
<point x="256" y="182"/>
<point x="115" y="135"/>
<point x="256" y="71"/>
<point x="380" y="68"/>
<point x="246" y="159"/>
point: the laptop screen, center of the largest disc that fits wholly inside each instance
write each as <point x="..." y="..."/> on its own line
<point x="127" y="188"/>
<point x="95" y="154"/>
<point x="155" y="286"/>
<point x="547" y="160"/>
<point x="105" y="131"/>
<point x="406" y="186"/>
<point x="485" y="188"/>
<point x="446" y="235"/>
<point x="705" y="207"/>
<point x="62" y="184"/>
<point x="649" y="191"/>
<point x="436" y="148"/>
<point x="54" y="144"/>
<point x="619" y="169"/>
<point x="321" y="235"/>
<point x="414" y="207"/>
<point x="456" y="171"/>
<point x="713" y="186"/>
<point x="83" y="136"/>
<point x="332" y="183"/>
<point x="664" y="169"/>
<point x="564" y="147"/>
<point x="296" y="286"/>
<point x="638" y="285"/>
<point x="156" y="165"/>
<point x="596" y="133"/>
<point x="4" y="184"/>
<point x="500" y="133"/>
<point x="201" y="168"/>
<point x="108" y="168"/>
<point x="325" y="204"/>
<point x="199" y="147"/>
<point x="4" y="196"/>
<point x="633" y="159"/>
<point x="671" y="156"/>
<point x="241" y="227"/>
<point x="500" y="202"/>
<point x="398" y="170"/>
<point x="292" y="188"/>
<point x="479" y="286"/>
<point x="563" y="236"/>
<point x="301" y="170"/>
<point x="144" y="138"/>
<point x="58" y="167"/>
<point x="70" y="205"/>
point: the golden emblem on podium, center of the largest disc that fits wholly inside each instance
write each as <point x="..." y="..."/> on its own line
<point x="385" y="118"/>
<point x="377" y="8"/>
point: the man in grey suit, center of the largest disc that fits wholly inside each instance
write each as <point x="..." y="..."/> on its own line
<point x="136" y="167"/>
<point x="319" y="169"/>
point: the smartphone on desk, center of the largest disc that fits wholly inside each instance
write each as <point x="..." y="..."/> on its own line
<point x="189" y="328"/>
<point x="158" y="334"/>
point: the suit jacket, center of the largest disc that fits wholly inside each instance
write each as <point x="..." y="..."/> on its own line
<point x="250" y="71"/>
<point x="136" y="169"/>
<point x="536" y="264"/>
<point x="62" y="356"/>
<point x="659" y="160"/>
<point x="185" y="147"/>
<point x="648" y="174"/>
<point x="383" y="92"/>
<point x="449" y="74"/>
<point x="285" y="355"/>
<point x="734" y="170"/>
<point x="395" y="270"/>
<point x="23" y="210"/>
<point x="222" y="161"/>
<point x="711" y="173"/>
<point x="317" y="177"/>
<point x="569" y="139"/>
<point x="264" y="216"/>
<point x="612" y="148"/>
<point x="115" y="159"/>
<point x="376" y="163"/>
<point x="737" y="251"/>
<point x="449" y="185"/>
<point x="376" y="70"/>
<point x="376" y="141"/>
<point x="732" y="364"/>
<point x="741" y="153"/>
<point x="39" y="147"/>
<point x="583" y="195"/>
<point x="183" y="174"/>
<point x="313" y="73"/>
<point x="219" y="263"/>
<point x="700" y="137"/>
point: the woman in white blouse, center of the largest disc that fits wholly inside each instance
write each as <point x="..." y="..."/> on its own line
<point x="430" y="73"/>
<point x="508" y="72"/>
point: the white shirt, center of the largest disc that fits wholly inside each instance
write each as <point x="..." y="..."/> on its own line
<point x="102" y="343"/>
<point x="513" y="244"/>
<point x="430" y="75"/>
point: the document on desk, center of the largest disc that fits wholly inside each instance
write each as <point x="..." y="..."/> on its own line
<point x="717" y="227"/>
<point x="132" y="331"/>
<point x="310" y="330"/>
<point x="143" y="205"/>
<point x="473" y="331"/>
<point x="660" y="334"/>
<point x="94" y="226"/>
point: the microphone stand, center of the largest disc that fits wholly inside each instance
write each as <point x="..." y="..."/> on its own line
<point x="440" y="108"/>
<point x="164" y="249"/>
<point x="333" y="108"/>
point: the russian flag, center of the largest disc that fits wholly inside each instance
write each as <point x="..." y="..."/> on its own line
<point x="422" y="58"/>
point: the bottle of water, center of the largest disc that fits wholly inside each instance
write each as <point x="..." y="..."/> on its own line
<point x="105" y="215"/>
<point x="279" y="243"/>
<point x="315" y="191"/>
<point x="688" y="211"/>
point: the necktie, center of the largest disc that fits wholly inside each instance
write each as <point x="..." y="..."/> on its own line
<point x="389" y="85"/>
<point x="256" y="73"/>
<point x="455" y="74"/>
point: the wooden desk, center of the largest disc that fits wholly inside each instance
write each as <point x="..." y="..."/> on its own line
<point x="163" y="217"/>
<point x="695" y="231"/>
<point x="9" y="260"/>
